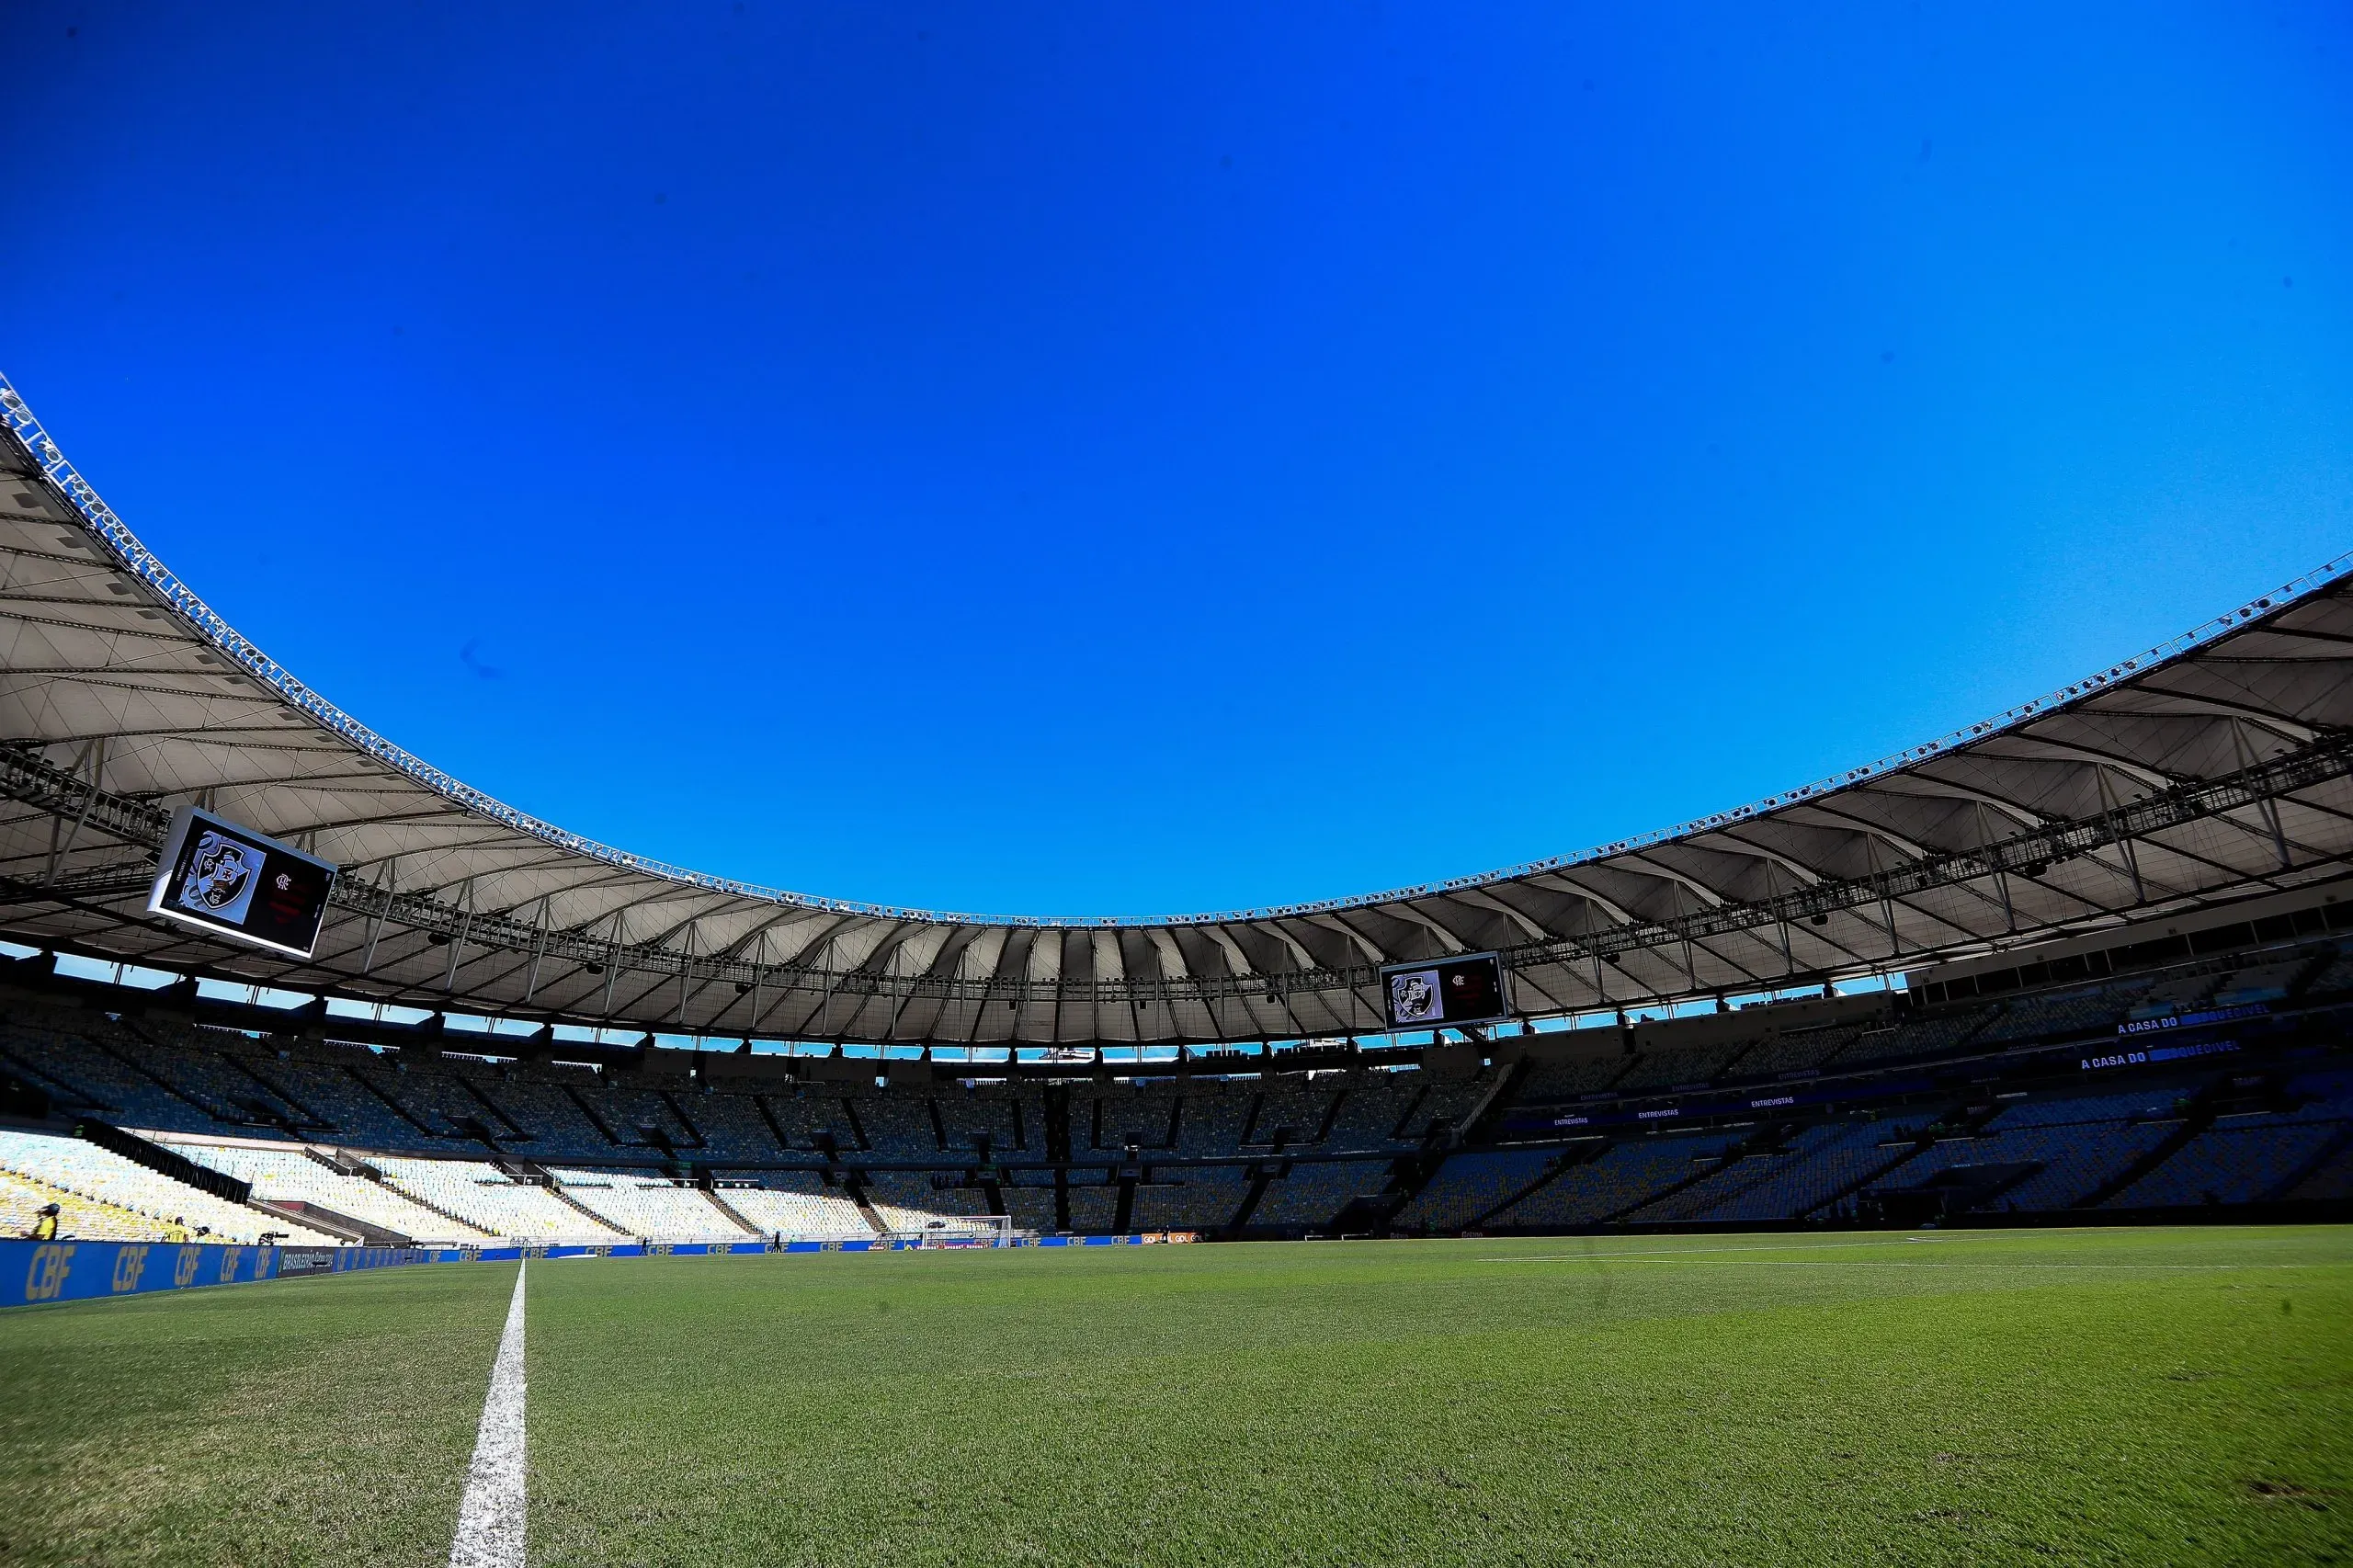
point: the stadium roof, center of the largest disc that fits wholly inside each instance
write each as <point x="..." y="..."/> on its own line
<point x="2212" y="767"/>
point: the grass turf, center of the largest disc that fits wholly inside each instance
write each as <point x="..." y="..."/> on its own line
<point x="316" y="1420"/>
<point x="2088" y="1396"/>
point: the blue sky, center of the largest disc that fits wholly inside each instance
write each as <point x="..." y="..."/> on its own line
<point x="1090" y="459"/>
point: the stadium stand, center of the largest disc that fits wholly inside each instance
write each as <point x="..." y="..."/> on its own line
<point x="1620" y="1179"/>
<point x="79" y="1218"/>
<point x="72" y="1165"/>
<point x="2330" y="1180"/>
<point x="1190" y="1197"/>
<point x="340" y="1102"/>
<point x="2049" y="1017"/>
<point x="1869" y="1095"/>
<point x="293" y="1175"/>
<point x="1924" y="1037"/>
<point x="908" y="1201"/>
<point x="1799" y="1052"/>
<point x="1372" y="1110"/>
<point x="1468" y="1185"/>
<point x="1677" y="1065"/>
<point x="490" y="1200"/>
<point x="1820" y="1167"/>
<point x="2238" y="1160"/>
<point x="896" y="1127"/>
<point x="731" y="1126"/>
<point x="795" y="1204"/>
<point x="979" y="1120"/>
<point x="1311" y="1193"/>
<point x="1093" y="1209"/>
<point x="638" y="1203"/>
<point x="2067" y="1006"/>
<point x="1213" y="1114"/>
<point x="1293" y="1110"/>
<point x="2064" y="1164"/>
<point x="1032" y="1209"/>
<point x="1566" y="1080"/>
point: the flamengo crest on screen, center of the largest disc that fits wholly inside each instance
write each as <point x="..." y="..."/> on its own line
<point x="1456" y="991"/>
<point x="236" y="882"/>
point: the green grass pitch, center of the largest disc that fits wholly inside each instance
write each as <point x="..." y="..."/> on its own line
<point x="2074" y="1397"/>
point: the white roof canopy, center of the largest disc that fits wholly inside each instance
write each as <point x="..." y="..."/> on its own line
<point x="2214" y="768"/>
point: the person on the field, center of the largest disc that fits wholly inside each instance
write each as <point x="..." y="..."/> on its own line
<point x="44" y="1224"/>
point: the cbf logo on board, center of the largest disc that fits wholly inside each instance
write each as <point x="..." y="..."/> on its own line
<point x="45" y="1275"/>
<point x="130" y="1263"/>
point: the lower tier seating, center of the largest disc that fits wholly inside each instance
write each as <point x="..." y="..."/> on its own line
<point x="85" y="1170"/>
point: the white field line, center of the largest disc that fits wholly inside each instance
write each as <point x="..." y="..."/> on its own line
<point x="1893" y="1263"/>
<point x="1690" y="1252"/>
<point x="1673" y="1255"/>
<point x="491" y="1517"/>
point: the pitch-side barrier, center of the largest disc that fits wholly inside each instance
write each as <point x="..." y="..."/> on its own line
<point x="35" y="1272"/>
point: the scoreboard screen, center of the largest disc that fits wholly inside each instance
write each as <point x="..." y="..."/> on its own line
<point x="1453" y="992"/>
<point x="235" y="882"/>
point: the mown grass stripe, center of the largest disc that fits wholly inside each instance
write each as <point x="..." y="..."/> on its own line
<point x="492" y="1515"/>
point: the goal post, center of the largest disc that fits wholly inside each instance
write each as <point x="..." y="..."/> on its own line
<point x="967" y="1231"/>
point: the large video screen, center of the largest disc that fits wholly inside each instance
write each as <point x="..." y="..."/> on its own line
<point x="236" y="882"/>
<point x="1451" y="992"/>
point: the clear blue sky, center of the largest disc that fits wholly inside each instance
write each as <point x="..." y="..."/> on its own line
<point x="1122" y="458"/>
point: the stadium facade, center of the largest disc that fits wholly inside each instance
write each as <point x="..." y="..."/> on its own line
<point x="2087" y="958"/>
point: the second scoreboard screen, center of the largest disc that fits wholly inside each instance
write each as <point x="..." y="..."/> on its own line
<point x="1455" y="992"/>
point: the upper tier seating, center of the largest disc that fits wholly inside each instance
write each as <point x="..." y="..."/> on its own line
<point x="1671" y="1065"/>
<point x="1372" y="1106"/>
<point x="2329" y="1181"/>
<point x="1797" y="1052"/>
<point x="2046" y="1018"/>
<point x="338" y="1099"/>
<point x="2336" y="977"/>
<point x="2068" y="1109"/>
<point x="1293" y="1107"/>
<point x="811" y="1118"/>
<point x="730" y="1125"/>
<point x="977" y="1118"/>
<point x="635" y="1118"/>
<point x="51" y="1047"/>
<point x="898" y="1126"/>
<point x="1213" y="1116"/>
<point x="1114" y="1116"/>
<point x="1919" y="1037"/>
<point x="548" y="1120"/>
<point x="2264" y="982"/>
<point x="1443" y="1106"/>
<point x="2185" y="995"/>
<point x="1549" y="1081"/>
